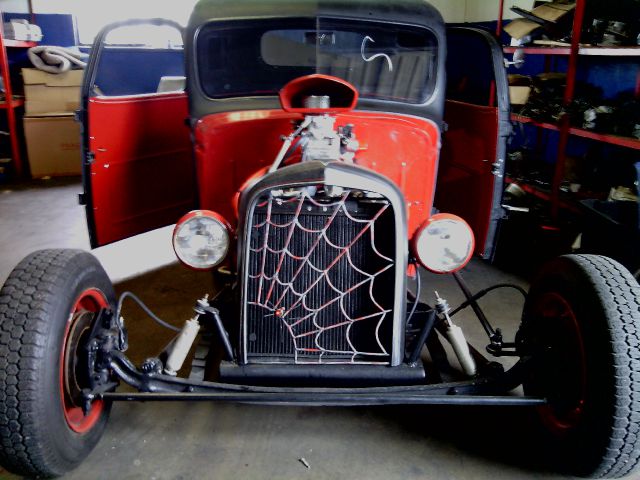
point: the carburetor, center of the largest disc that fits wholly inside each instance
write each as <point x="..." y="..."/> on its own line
<point x="319" y="138"/>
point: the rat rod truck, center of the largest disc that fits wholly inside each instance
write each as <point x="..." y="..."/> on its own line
<point x="303" y="166"/>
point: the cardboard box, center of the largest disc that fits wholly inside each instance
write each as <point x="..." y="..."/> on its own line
<point x="551" y="12"/>
<point x="519" y="95"/>
<point x="51" y="93"/>
<point x="53" y="145"/>
<point x="519" y="89"/>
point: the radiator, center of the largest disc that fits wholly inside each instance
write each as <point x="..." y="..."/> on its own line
<point x="319" y="285"/>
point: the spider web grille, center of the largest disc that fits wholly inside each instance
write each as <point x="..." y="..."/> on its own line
<point x="320" y="279"/>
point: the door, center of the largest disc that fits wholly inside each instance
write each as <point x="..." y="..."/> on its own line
<point x="138" y="167"/>
<point x="470" y="178"/>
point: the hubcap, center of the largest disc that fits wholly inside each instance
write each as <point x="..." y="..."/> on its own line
<point x="561" y="372"/>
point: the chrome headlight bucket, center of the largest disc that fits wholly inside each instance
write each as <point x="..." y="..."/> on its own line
<point x="201" y="239"/>
<point x="444" y="243"/>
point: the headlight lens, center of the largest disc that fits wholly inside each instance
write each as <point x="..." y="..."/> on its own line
<point x="444" y="243"/>
<point x="201" y="239"/>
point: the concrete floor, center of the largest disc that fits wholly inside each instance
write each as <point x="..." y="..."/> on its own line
<point x="193" y="441"/>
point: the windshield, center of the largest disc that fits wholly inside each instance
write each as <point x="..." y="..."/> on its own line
<point x="383" y="61"/>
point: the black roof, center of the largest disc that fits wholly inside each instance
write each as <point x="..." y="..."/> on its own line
<point x="410" y="12"/>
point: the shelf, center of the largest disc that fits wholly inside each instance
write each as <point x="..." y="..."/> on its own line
<point x="542" y="194"/>
<point x="540" y="50"/>
<point x="15" y="103"/>
<point x="586" y="51"/>
<point x="19" y="44"/>
<point x="576" y="53"/>
<point x="610" y="51"/>
<point x="531" y="121"/>
<point x="627" y="142"/>
<point x="530" y="189"/>
<point x="612" y="139"/>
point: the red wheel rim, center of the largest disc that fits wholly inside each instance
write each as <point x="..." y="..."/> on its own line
<point x="91" y="300"/>
<point x="565" y="374"/>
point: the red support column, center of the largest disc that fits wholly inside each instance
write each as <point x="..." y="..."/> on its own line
<point x="565" y="125"/>
<point x="576" y="34"/>
<point x="9" y="106"/>
<point x="500" y="21"/>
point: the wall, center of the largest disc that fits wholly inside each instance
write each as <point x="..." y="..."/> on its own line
<point x="613" y="76"/>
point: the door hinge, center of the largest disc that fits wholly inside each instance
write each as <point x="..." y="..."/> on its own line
<point x="90" y="158"/>
<point x="82" y="198"/>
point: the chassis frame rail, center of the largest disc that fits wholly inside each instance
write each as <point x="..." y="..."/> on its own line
<point x="329" y="399"/>
<point x="485" y="391"/>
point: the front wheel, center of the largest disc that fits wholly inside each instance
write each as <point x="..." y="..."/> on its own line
<point x="47" y="307"/>
<point x="581" y="328"/>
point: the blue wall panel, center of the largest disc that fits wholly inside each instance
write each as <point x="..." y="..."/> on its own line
<point x="129" y="71"/>
<point x="58" y="29"/>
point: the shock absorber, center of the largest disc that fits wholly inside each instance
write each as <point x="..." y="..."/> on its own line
<point x="456" y="338"/>
<point x="184" y="340"/>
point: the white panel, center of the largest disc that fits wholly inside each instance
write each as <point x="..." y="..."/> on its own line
<point x="55" y="6"/>
<point x="14" y="6"/>
<point x="118" y="9"/>
<point x="451" y="10"/>
<point x="89" y="23"/>
<point x="526" y="4"/>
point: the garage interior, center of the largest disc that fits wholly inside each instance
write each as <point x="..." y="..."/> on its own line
<point x="571" y="180"/>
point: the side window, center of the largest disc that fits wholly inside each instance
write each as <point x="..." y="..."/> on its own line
<point x="473" y="148"/>
<point x="469" y="78"/>
<point x="141" y="60"/>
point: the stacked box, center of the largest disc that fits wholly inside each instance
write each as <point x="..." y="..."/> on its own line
<point x="51" y="132"/>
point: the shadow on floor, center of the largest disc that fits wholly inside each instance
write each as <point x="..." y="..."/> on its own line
<point x="503" y="440"/>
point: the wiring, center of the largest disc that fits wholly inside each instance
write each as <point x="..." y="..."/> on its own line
<point x="482" y="293"/>
<point x="287" y="144"/>
<point x="141" y="304"/>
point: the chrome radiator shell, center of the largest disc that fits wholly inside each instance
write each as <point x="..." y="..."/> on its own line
<point x="337" y="174"/>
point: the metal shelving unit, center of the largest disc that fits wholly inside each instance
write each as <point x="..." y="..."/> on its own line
<point x="10" y="104"/>
<point x="574" y="52"/>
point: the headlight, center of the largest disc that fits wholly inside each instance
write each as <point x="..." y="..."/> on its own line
<point x="201" y="239"/>
<point x="444" y="244"/>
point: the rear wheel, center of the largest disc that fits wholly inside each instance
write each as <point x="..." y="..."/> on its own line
<point x="47" y="307"/>
<point x="581" y="326"/>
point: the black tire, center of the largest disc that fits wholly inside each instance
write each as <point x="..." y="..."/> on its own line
<point x="581" y="326"/>
<point x="36" y="304"/>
